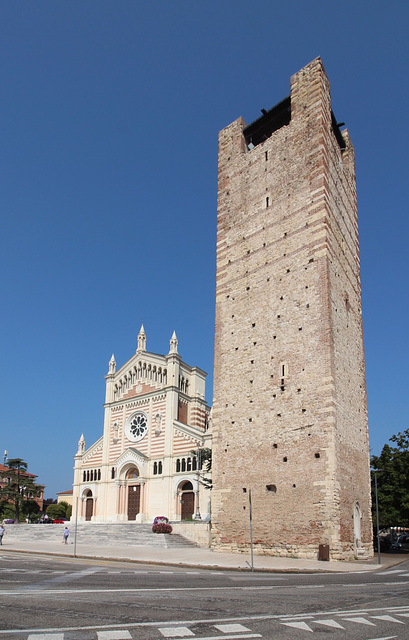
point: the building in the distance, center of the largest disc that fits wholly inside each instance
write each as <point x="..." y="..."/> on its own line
<point x="146" y="463"/>
<point x="289" y="406"/>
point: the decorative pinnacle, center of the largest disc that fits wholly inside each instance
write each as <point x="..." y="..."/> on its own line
<point x="112" y="365"/>
<point x="141" y="340"/>
<point x="173" y="343"/>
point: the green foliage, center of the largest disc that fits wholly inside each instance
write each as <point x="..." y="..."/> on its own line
<point x="206" y="461"/>
<point x="57" y="510"/>
<point x="29" y="508"/>
<point x="20" y="485"/>
<point x="68" y="513"/>
<point x="393" y="482"/>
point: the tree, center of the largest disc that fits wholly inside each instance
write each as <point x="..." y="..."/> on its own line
<point x="393" y="482"/>
<point x="19" y="485"/>
<point x="57" y="510"/>
<point x="205" y="462"/>
<point x="29" y="508"/>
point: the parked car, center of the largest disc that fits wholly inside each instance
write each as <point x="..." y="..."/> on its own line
<point x="8" y="521"/>
<point x="402" y="543"/>
<point x="59" y="520"/>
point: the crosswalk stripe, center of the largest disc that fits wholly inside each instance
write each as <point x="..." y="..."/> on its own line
<point x="388" y="573"/>
<point x="387" y="619"/>
<point x="360" y="620"/>
<point x="298" y="625"/>
<point x="46" y="636"/>
<point x="176" y="632"/>
<point x="123" y="634"/>
<point x="231" y="628"/>
<point x="330" y="623"/>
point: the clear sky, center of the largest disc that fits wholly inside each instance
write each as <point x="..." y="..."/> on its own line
<point x="110" y="111"/>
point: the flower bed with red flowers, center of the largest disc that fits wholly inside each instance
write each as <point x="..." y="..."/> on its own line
<point x="162" y="527"/>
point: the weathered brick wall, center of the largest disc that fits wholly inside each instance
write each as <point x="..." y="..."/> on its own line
<point x="289" y="410"/>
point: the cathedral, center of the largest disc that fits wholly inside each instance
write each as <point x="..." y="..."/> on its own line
<point x="149" y="461"/>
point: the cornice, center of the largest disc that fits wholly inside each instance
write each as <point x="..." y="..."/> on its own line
<point x="130" y="402"/>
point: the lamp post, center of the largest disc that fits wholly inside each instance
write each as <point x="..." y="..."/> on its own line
<point x="375" y="471"/>
<point x="197" y="514"/>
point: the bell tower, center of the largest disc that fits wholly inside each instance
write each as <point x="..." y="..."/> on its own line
<point x="289" y="407"/>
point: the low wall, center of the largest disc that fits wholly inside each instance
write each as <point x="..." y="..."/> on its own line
<point x="198" y="532"/>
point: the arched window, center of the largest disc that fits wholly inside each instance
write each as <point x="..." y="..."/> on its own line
<point x="189" y="464"/>
<point x="112" y="473"/>
<point x="187" y="486"/>
<point x="84" y="476"/>
<point x="178" y="465"/>
<point x="155" y="468"/>
<point x="160" y="466"/>
<point x="183" y="464"/>
<point x="99" y="474"/>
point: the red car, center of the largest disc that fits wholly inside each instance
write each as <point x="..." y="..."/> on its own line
<point x="59" y="520"/>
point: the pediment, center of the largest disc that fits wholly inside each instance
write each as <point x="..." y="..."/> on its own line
<point x="131" y="455"/>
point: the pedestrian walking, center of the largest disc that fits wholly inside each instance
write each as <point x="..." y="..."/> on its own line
<point x="66" y="534"/>
<point x="2" y="532"/>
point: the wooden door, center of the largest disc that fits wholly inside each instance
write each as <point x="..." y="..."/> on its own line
<point x="188" y="505"/>
<point x="89" y="508"/>
<point x="134" y="500"/>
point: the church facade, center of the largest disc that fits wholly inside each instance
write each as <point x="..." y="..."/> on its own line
<point x="148" y="461"/>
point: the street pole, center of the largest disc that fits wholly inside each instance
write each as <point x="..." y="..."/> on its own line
<point x="375" y="471"/>
<point x="75" y="528"/>
<point x="251" y="531"/>
<point x="197" y="515"/>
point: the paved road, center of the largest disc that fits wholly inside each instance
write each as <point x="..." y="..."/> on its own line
<point x="68" y="599"/>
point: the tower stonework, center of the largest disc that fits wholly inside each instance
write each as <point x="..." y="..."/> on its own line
<point x="289" y="408"/>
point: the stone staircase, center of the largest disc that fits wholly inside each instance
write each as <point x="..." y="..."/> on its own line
<point x="109" y="534"/>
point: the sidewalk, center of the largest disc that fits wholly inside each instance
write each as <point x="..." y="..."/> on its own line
<point x="194" y="557"/>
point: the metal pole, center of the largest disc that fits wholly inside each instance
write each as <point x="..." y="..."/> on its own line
<point x="251" y="531"/>
<point x="377" y="515"/>
<point x="197" y="515"/>
<point x="75" y="528"/>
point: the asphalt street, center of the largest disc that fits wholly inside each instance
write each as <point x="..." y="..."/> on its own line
<point x="44" y="598"/>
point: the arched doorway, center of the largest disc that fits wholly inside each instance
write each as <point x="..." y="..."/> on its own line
<point x="134" y="493"/>
<point x="187" y="499"/>
<point x="89" y="505"/>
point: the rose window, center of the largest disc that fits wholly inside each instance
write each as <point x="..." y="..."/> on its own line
<point x="136" y="426"/>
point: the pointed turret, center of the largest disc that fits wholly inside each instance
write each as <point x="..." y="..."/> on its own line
<point x="81" y="445"/>
<point x="141" y="340"/>
<point x="173" y="343"/>
<point x="112" y="365"/>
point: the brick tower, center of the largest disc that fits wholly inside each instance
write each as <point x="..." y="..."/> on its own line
<point x="289" y="409"/>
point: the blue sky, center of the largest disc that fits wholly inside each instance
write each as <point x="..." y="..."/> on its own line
<point x="110" y="112"/>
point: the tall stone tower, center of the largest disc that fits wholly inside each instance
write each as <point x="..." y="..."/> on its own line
<point x="289" y="411"/>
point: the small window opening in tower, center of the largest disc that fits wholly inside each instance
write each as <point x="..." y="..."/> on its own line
<point x="266" y="155"/>
<point x="271" y="487"/>
<point x="267" y="202"/>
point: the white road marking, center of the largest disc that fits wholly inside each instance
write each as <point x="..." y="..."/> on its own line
<point x="387" y="619"/>
<point x="176" y="632"/>
<point x="360" y="620"/>
<point x="385" y="638"/>
<point x="123" y="634"/>
<point x="298" y="625"/>
<point x="46" y="636"/>
<point x="330" y="623"/>
<point x="389" y="573"/>
<point x="231" y="628"/>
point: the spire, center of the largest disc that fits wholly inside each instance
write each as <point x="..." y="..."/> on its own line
<point x="81" y="445"/>
<point x="141" y="340"/>
<point x="112" y="365"/>
<point x="173" y="344"/>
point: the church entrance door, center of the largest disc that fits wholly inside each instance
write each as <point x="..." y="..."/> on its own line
<point x="89" y="508"/>
<point x="188" y="505"/>
<point x="134" y="501"/>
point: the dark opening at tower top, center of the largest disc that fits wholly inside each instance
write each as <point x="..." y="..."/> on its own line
<point x="277" y="117"/>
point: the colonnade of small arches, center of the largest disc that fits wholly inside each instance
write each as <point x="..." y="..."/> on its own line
<point x="183" y="384"/>
<point x="91" y="475"/>
<point x="188" y="464"/>
<point x="141" y="371"/>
